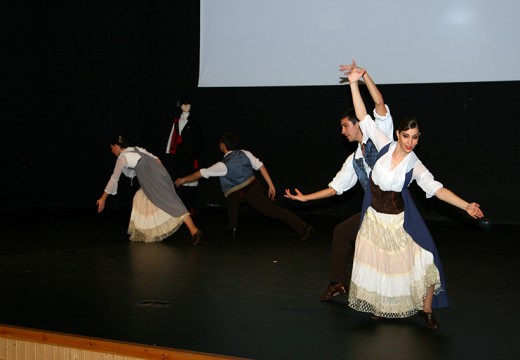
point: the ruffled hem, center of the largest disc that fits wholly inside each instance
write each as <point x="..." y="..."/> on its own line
<point x="391" y="273"/>
<point x="148" y="223"/>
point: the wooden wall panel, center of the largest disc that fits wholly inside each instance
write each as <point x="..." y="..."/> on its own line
<point x="26" y="344"/>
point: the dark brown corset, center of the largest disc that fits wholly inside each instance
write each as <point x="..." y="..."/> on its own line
<point x="386" y="202"/>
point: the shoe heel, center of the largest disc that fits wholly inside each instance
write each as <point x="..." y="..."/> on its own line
<point x="195" y="240"/>
<point x="429" y="319"/>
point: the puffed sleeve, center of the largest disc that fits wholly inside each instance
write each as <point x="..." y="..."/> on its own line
<point x="425" y="179"/>
<point x="255" y="162"/>
<point x="111" y="187"/>
<point x="215" y="170"/>
<point x="385" y="123"/>
<point x="346" y="177"/>
<point x="369" y="128"/>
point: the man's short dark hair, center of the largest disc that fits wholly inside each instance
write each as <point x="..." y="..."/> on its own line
<point x="351" y="115"/>
<point x="230" y="140"/>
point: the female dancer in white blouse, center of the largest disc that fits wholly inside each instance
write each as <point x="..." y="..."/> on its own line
<point x="397" y="271"/>
<point x="157" y="211"/>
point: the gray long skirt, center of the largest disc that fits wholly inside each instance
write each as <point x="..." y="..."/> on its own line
<point x="157" y="210"/>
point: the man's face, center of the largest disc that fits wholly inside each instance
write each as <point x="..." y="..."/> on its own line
<point x="349" y="130"/>
<point x="186" y="107"/>
<point x="221" y="146"/>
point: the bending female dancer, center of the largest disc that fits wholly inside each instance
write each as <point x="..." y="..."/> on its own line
<point x="157" y="211"/>
<point x="397" y="271"/>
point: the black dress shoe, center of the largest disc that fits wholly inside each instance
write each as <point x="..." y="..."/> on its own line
<point x="195" y="239"/>
<point x="333" y="291"/>
<point x="431" y="323"/>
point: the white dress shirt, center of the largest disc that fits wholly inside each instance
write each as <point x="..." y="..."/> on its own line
<point x="346" y="177"/>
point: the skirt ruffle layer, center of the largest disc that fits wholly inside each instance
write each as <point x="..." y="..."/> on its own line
<point x="391" y="273"/>
<point x="148" y="223"/>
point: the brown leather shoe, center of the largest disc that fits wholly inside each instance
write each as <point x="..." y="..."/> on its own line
<point x="333" y="291"/>
<point x="195" y="239"/>
<point x="431" y="323"/>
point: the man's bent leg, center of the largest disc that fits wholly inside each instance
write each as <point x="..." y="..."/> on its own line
<point x="343" y="238"/>
<point x="257" y="198"/>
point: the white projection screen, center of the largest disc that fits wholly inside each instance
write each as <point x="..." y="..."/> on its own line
<point x="246" y="43"/>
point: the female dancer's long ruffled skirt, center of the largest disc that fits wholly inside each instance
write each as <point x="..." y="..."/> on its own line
<point x="391" y="273"/>
<point x="148" y="223"/>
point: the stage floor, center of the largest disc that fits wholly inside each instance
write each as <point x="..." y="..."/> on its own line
<point x="255" y="296"/>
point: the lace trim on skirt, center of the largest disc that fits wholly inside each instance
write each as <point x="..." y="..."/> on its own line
<point x="148" y="223"/>
<point x="391" y="273"/>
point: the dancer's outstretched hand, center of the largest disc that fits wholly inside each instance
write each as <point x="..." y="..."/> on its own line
<point x="298" y="196"/>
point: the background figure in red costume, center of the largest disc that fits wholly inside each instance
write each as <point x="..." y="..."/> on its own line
<point x="182" y="152"/>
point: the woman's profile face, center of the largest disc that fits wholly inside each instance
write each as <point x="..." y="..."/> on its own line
<point x="408" y="139"/>
<point x="116" y="149"/>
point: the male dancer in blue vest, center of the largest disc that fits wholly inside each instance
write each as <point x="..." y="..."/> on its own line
<point x="239" y="185"/>
<point x="357" y="167"/>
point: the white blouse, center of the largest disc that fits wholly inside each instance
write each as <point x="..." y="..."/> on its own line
<point x="389" y="179"/>
<point x="126" y="162"/>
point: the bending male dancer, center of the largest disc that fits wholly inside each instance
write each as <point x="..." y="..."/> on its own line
<point x="357" y="167"/>
<point x="239" y="185"/>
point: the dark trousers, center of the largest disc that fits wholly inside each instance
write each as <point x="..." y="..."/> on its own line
<point x="255" y="195"/>
<point x="343" y="239"/>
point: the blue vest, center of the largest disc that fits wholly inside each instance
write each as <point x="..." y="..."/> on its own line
<point x="370" y="156"/>
<point x="415" y="226"/>
<point x="239" y="172"/>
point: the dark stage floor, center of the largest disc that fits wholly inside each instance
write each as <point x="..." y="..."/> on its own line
<point x="256" y="297"/>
